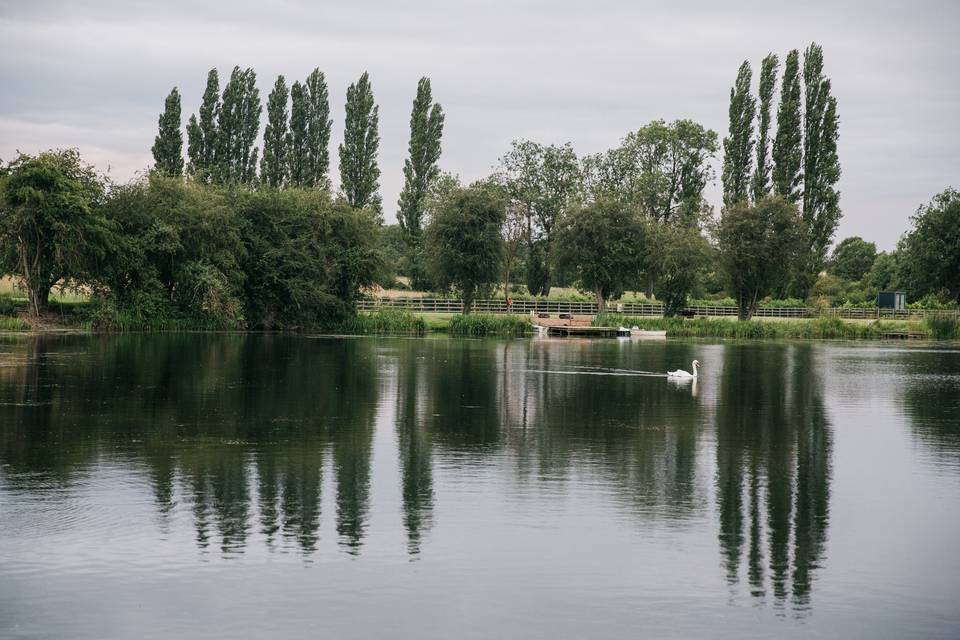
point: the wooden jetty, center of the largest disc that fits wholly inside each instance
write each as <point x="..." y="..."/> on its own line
<point x="569" y="327"/>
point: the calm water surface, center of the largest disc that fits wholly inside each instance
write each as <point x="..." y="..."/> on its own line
<point x="259" y="486"/>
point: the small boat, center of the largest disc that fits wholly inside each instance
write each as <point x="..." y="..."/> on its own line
<point x="637" y="332"/>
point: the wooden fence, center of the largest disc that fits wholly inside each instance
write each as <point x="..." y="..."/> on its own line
<point x="451" y="305"/>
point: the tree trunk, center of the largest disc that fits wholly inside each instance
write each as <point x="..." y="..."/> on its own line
<point x="601" y="300"/>
<point x="467" y="302"/>
<point x="39" y="299"/>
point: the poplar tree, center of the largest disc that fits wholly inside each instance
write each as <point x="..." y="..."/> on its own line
<point x="788" y="142"/>
<point x="821" y="166"/>
<point x="237" y="127"/>
<point x="297" y="146"/>
<point x="317" y="130"/>
<point x="273" y="165"/>
<point x="168" y="145"/>
<point x="768" y="81"/>
<point x="419" y="171"/>
<point x="359" y="173"/>
<point x="738" y="146"/>
<point x="202" y="132"/>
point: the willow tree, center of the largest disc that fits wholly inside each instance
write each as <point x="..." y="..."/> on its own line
<point x="420" y="169"/>
<point x="168" y="145"/>
<point x="738" y="145"/>
<point x="359" y="173"/>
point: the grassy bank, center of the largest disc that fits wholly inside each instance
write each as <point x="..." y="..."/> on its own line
<point x="14" y="324"/>
<point x="399" y="322"/>
<point x="815" y="328"/>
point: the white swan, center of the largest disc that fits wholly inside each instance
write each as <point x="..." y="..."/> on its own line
<point x="680" y="373"/>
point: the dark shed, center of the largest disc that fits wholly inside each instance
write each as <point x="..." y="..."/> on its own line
<point x="892" y="300"/>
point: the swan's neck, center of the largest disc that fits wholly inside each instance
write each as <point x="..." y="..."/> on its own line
<point x="696" y="368"/>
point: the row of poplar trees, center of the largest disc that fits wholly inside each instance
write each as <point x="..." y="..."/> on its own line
<point x="221" y="142"/>
<point x="799" y="164"/>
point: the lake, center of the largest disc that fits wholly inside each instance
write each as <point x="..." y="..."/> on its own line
<point x="235" y="485"/>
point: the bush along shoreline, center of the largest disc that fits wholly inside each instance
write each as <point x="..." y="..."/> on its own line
<point x="823" y="328"/>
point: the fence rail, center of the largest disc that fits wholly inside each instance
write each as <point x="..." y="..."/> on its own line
<point x="450" y="305"/>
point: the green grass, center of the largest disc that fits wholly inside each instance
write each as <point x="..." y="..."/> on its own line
<point x="14" y="324"/>
<point x="384" y="322"/>
<point x="943" y="327"/>
<point x="816" y="328"/>
<point x="487" y="324"/>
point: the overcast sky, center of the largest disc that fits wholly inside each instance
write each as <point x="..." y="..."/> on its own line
<point x="94" y="74"/>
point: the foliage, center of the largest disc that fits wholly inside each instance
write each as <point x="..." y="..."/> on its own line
<point x="760" y="185"/>
<point x="738" y="145"/>
<point x="419" y="172"/>
<point x="883" y="274"/>
<point x="238" y="123"/>
<point x="14" y="324"/>
<point x="929" y="254"/>
<point x="487" y="324"/>
<point x="202" y="132"/>
<point x="359" y="173"/>
<point x="168" y="145"/>
<point x="853" y="258"/>
<point x="382" y="322"/>
<point x="788" y="143"/>
<point x="7" y="307"/>
<point x="824" y="327"/>
<point x="606" y="242"/>
<point x="274" y="163"/>
<point x="541" y="183"/>
<point x="679" y="257"/>
<point x="318" y="125"/>
<point x="50" y="226"/>
<point x="463" y="240"/>
<point x="662" y="169"/>
<point x="757" y="244"/>
<point x="176" y="253"/>
<point x="943" y="327"/>
<point x="305" y="257"/>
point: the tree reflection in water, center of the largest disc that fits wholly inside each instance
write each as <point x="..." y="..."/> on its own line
<point x="241" y="433"/>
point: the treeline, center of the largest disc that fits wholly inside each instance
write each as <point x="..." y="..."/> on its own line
<point x="225" y="236"/>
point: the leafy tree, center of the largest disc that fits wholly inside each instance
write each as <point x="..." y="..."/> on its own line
<point x="788" y="142"/>
<point x="305" y="257"/>
<point x="273" y="164"/>
<point x="543" y="182"/>
<point x="929" y="254"/>
<point x="853" y="258"/>
<point x="50" y="227"/>
<point x="738" y="145"/>
<point x="419" y="172"/>
<point x="821" y="209"/>
<point x="237" y="127"/>
<point x="202" y="134"/>
<point x="318" y="131"/>
<point x="662" y="169"/>
<point x="883" y="274"/>
<point x="168" y="145"/>
<point x="680" y="258"/>
<point x="606" y="241"/>
<point x="463" y="240"/>
<point x="177" y="253"/>
<point x="359" y="173"/>
<point x="514" y="233"/>
<point x="298" y="139"/>
<point x="761" y="174"/>
<point x="757" y="244"/>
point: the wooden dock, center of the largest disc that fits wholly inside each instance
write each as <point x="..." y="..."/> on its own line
<point x="581" y="332"/>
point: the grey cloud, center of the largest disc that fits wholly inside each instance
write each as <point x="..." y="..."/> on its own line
<point x="94" y="75"/>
